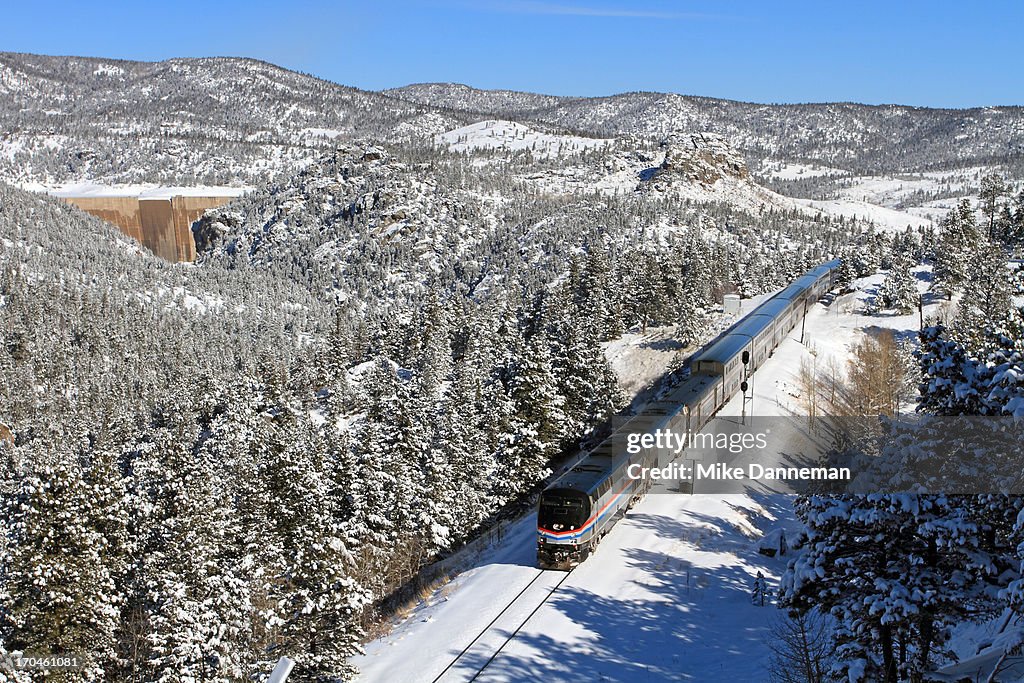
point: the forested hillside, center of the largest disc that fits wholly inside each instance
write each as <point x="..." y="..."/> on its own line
<point x="390" y="342"/>
<point x="852" y="137"/>
<point x="369" y="361"/>
<point x="927" y="568"/>
<point x="215" y="121"/>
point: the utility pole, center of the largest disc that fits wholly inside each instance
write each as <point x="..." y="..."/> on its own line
<point x="803" y="324"/>
<point x="742" y="388"/>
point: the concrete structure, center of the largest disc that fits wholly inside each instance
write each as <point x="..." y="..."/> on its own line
<point x="162" y="225"/>
<point x="731" y="304"/>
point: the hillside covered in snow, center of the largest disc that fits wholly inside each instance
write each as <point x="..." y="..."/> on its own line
<point x="852" y="137"/>
<point x="419" y="306"/>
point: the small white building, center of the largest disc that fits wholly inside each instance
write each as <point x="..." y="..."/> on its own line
<point x="731" y="304"/>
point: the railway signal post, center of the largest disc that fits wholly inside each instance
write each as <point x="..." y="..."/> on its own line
<point x="743" y="389"/>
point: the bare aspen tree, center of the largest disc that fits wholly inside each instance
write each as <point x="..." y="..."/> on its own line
<point x="801" y="651"/>
<point x="809" y="380"/>
<point x="877" y="372"/>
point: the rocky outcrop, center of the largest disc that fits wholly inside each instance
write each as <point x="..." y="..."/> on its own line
<point x="208" y="232"/>
<point x="701" y="158"/>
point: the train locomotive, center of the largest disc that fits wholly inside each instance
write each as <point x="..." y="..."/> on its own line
<point x="577" y="509"/>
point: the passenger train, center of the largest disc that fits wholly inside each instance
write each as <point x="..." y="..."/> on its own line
<point x="583" y="504"/>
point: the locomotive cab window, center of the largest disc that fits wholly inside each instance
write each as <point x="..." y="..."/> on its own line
<point x="563" y="509"/>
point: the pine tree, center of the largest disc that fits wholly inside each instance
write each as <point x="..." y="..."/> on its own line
<point x="537" y="423"/>
<point x="61" y="595"/>
<point x="195" y="588"/>
<point x="959" y="237"/>
<point x="469" y="452"/>
<point x="586" y="383"/>
<point x="993" y="189"/>
<point x="317" y="601"/>
<point x="899" y="289"/>
<point x="847" y="271"/>
<point x="956" y="380"/>
<point x="388" y="496"/>
<point x="891" y="570"/>
<point x="988" y="295"/>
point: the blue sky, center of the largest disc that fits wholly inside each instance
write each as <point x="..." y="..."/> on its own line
<point x="954" y="54"/>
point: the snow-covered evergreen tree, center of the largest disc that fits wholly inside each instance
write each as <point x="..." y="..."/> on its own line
<point x="988" y="295"/>
<point x="317" y="602"/>
<point x="537" y="421"/>
<point x="959" y="236"/>
<point x="955" y="381"/>
<point x="847" y="271"/>
<point x="899" y="289"/>
<point x="895" y="572"/>
<point x="61" y="575"/>
<point x="193" y="577"/>
<point x="993" y="189"/>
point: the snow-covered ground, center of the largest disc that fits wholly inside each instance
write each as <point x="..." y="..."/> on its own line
<point x="142" y="191"/>
<point x="884" y="218"/>
<point x="890" y="190"/>
<point x="891" y="201"/>
<point x="792" y="170"/>
<point x="641" y="358"/>
<point x="666" y="597"/>
<point x="513" y="136"/>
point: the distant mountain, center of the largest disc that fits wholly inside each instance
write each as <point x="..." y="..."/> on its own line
<point x="242" y="122"/>
<point x="853" y="137"/>
<point x="182" y="121"/>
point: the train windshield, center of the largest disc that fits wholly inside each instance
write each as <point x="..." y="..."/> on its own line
<point x="563" y="510"/>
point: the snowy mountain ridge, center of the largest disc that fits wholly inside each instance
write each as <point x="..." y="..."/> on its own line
<point x="233" y="120"/>
<point x="854" y="137"/>
<point x="182" y="121"/>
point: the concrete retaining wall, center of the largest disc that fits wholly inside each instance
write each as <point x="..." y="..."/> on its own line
<point x="164" y="226"/>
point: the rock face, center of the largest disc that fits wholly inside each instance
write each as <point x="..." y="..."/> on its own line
<point x="208" y="232"/>
<point x="700" y="158"/>
<point x="164" y="226"/>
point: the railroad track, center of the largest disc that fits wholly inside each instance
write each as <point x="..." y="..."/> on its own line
<point x="475" y="657"/>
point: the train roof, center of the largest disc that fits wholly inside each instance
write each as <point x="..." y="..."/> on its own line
<point x="825" y="267"/>
<point x="791" y="292"/>
<point x="772" y="307"/>
<point x="754" y="324"/>
<point x="596" y="465"/>
<point x="725" y="348"/>
<point x="806" y="281"/>
<point x="693" y="390"/>
<point x="653" y="415"/>
<point x="586" y="474"/>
